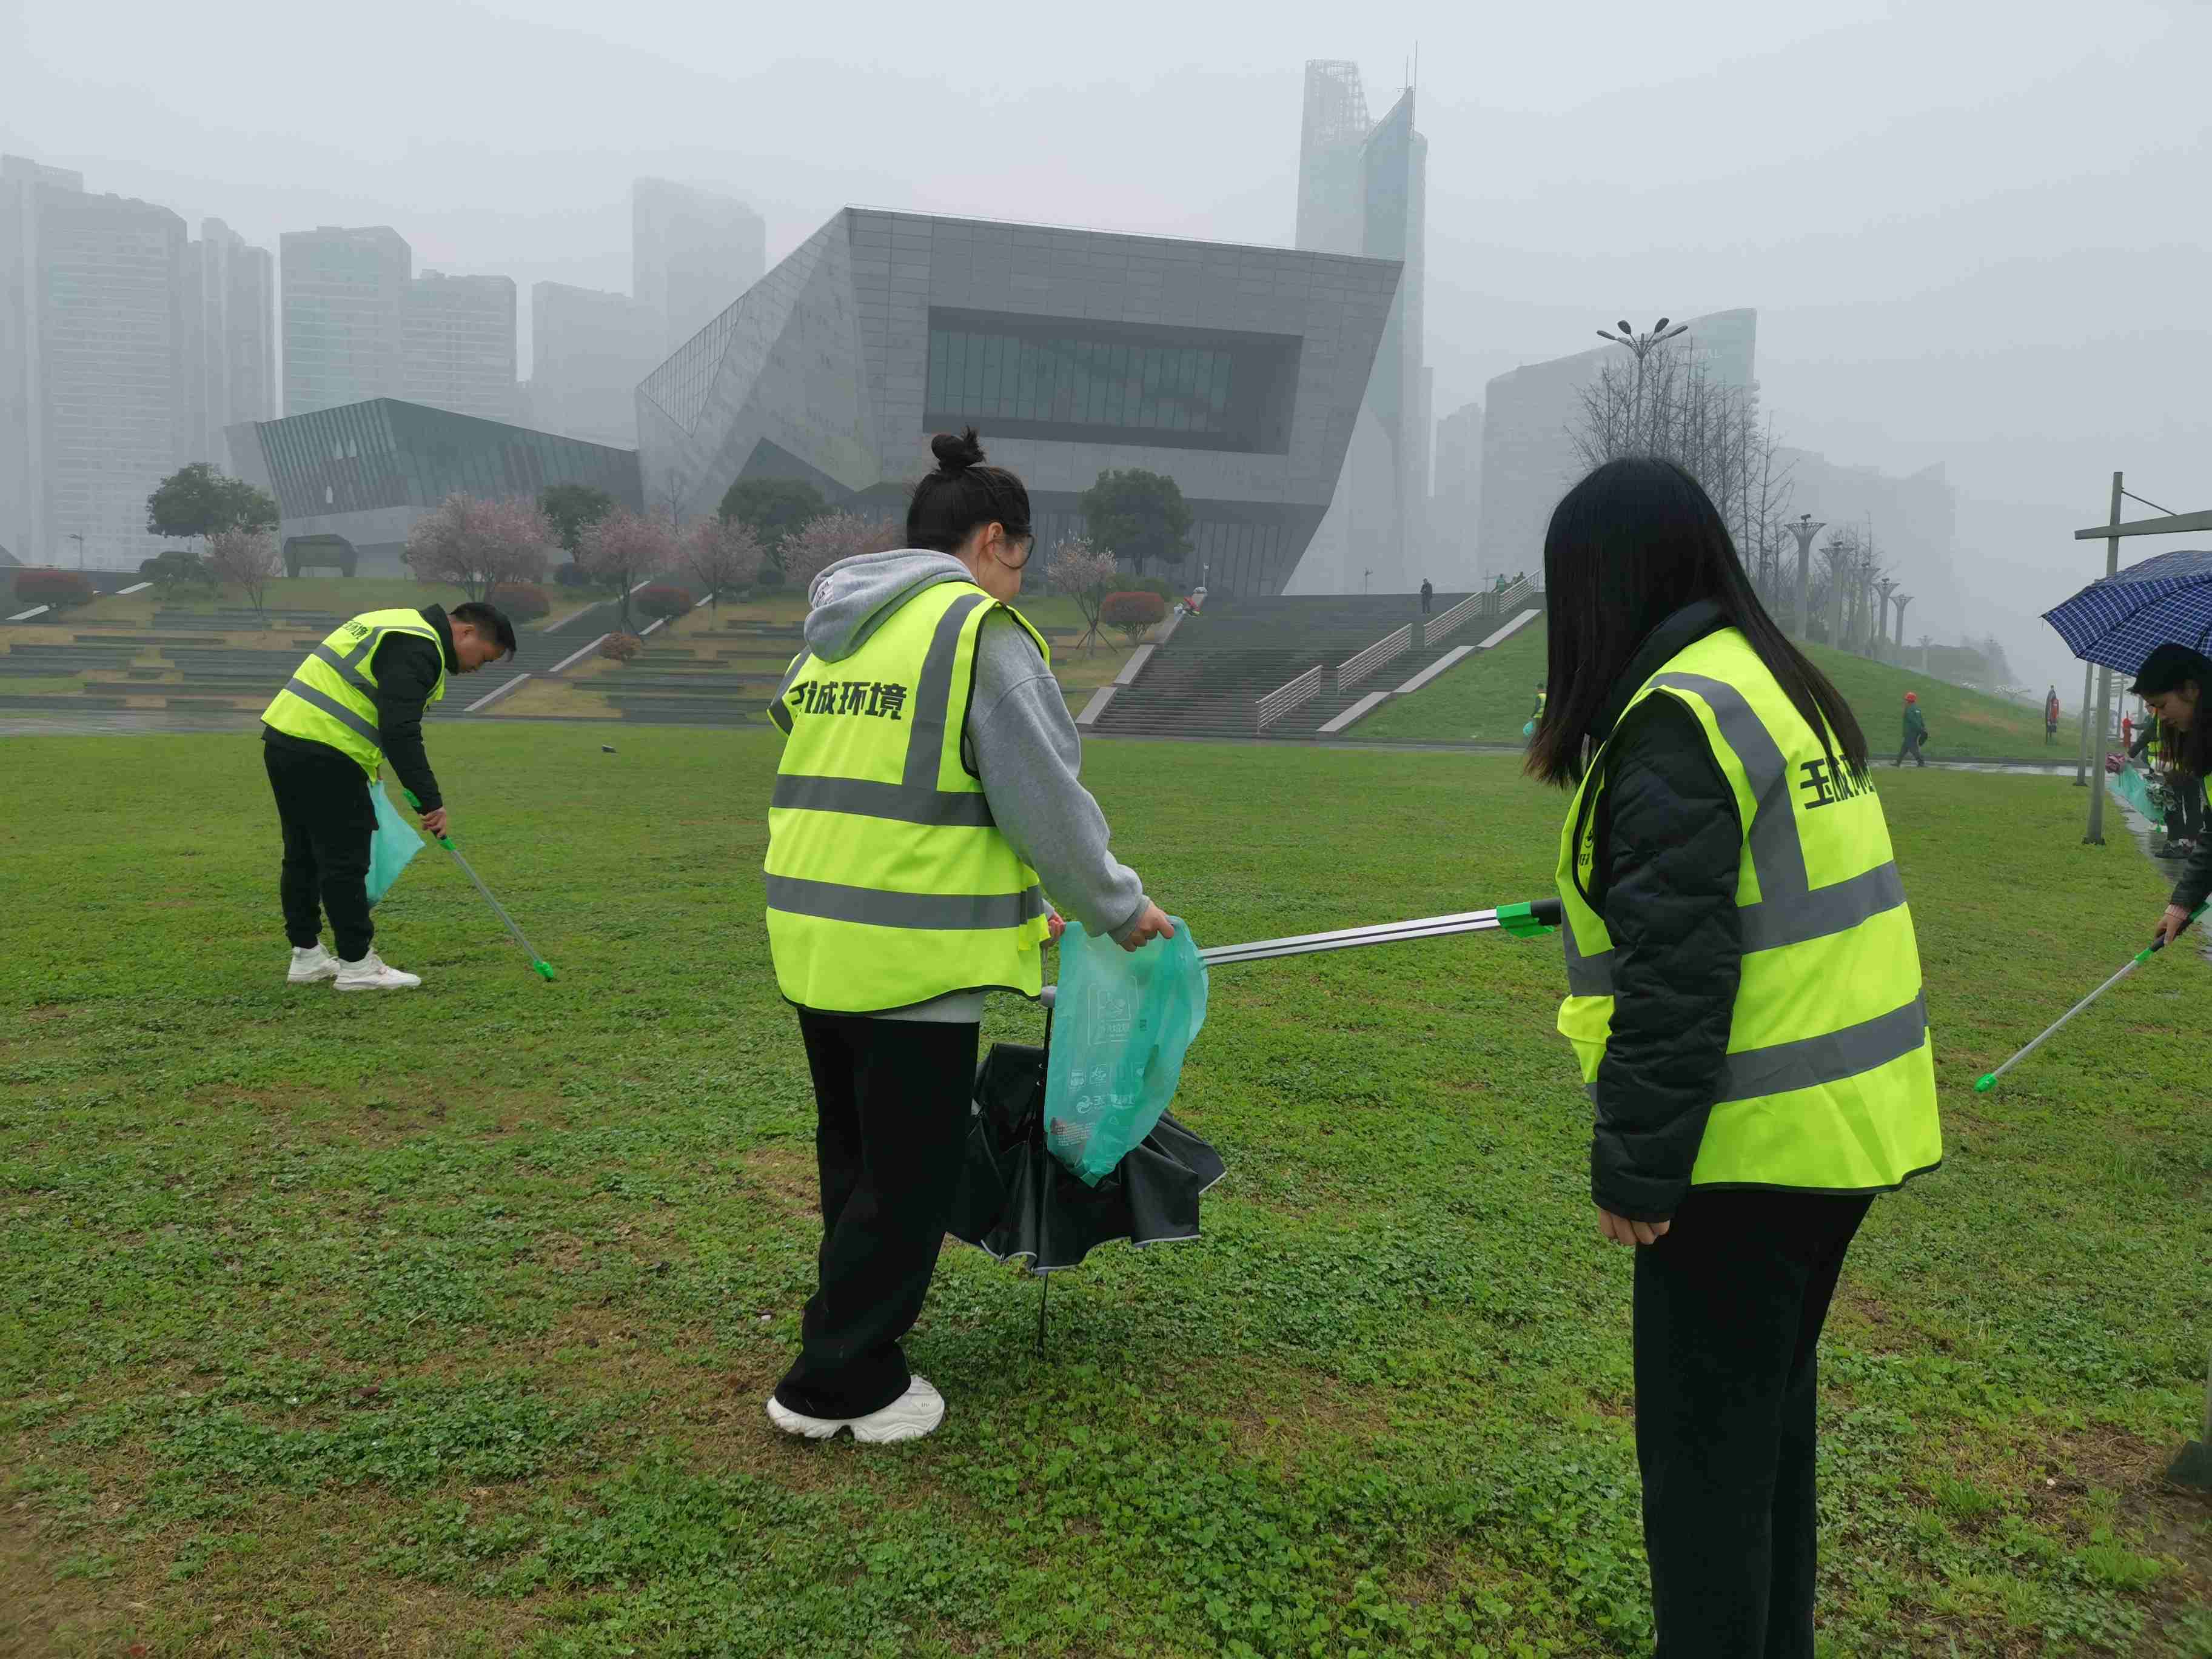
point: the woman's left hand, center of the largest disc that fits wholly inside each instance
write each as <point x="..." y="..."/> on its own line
<point x="1055" y="925"/>
<point x="1620" y="1230"/>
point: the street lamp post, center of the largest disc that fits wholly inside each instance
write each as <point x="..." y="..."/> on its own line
<point x="75" y="537"/>
<point x="1643" y="345"/>
<point x="1903" y="600"/>
<point x="1887" y="586"/>
<point x="1838" y="573"/>
<point x="1804" y="530"/>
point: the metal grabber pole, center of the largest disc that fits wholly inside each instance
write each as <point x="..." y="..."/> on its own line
<point x="539" y="965"/>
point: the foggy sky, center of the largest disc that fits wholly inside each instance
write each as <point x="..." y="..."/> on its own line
<point x="1974" y="233"/>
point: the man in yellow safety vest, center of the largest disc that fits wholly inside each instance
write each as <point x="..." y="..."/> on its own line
<point x="357" y="698"/>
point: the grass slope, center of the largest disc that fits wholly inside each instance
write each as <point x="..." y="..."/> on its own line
<point x="1487" y="699"/>
<point x="441" y="1324"/>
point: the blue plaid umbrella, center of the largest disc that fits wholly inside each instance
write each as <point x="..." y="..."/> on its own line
<point x="2118" y="621"/>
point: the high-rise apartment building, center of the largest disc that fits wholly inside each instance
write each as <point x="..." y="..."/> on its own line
<point x="1457" y="500"/>
<point x="457" y="345"/>
<point x="342" y="291"/>
<point x="588" y="351"/>
<point x="1529" y="454"/>
<point x="230" y="338"/>
<point x="692" y="253"/>
<point x="92" y="366"/>
<point x="1363" y="189"/>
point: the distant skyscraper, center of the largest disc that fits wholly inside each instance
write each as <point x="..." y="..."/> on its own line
<point x="457" y="345"/>
<point x="588" y="350"/>
<point x="92" y="366"/>
<point x="1529" y="454"/>
<point x="1364" y="190"/>
<point x="342" y="292"/>
<point x="692" y="254"/>
<point x="1456" y="505"/>
<point x="230" y="338"/>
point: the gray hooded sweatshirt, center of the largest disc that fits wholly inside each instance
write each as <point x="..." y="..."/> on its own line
<point x="1019" y="742"/>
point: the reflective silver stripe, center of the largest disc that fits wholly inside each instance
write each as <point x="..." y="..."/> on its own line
<point x="1815" y="1061"/>
<point x="925" y="739"/>
<point x="1823" y="911"/>
<point x="347" y="672"/>
<point x="336" y="710"/>
<point x="1810" y="1062"/>
<point x="779" y="711"/>
<point x="933" y="912"/>
<point x="1587" y="975"/>
<point x="1775" y="852"/>
<point x="864" y="799"/>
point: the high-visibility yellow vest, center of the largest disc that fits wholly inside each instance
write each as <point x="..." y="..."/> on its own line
<point x="332" y="696"/>
<point x="1830" y="1079"/>
<point x="888" y="883"/>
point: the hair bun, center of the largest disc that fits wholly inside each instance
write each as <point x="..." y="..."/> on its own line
<point x="956" y="455"/>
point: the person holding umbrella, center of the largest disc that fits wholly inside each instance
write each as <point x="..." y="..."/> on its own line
<point x="928" y="796"/>
<point x="1745" y="1004"/>
<point x="2172" y="682"/>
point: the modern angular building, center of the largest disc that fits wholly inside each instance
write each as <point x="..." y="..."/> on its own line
<point x="588" y="350"/>
<point x="457" y="345"/>
<point x="692" y="253"/>
<point x="1529" y="454"/>
<point x="341" y="293"/>
<point x="351" y="482"/>
<point x="1364" y="189"/>
<point x="1239" y="372"/>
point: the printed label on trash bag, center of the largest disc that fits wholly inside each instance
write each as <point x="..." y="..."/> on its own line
<point x="1122" y="1025"/>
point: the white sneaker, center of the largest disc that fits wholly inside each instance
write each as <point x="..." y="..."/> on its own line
<point x="909" y="1417"/>
<point x="371" y="974"/>
<point x="315" y="962"/>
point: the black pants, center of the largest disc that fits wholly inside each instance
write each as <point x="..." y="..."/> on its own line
<point x="1913" y="748"/>
<point x="1729" y="1311"/>
<point x="322" y="802"/>
<point x="892" y="1103"/>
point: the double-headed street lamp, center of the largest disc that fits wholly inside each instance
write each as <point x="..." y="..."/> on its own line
<point x="1804" y="530"/>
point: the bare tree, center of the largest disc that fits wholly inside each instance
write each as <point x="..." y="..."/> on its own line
<point x="820" y="543"/>
<point x="246" y="559"/>
<point x="1087" y="575"/>
<point x="477" y="544"/>
<point x="720" y="554"/>
<point x="625" y="548"/>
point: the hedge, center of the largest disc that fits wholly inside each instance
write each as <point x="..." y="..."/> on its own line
<point x="59" y="588"/>
<point x="662" y="600"/>
<point x="1133" y="610"/>
<point x="522" y="601"/>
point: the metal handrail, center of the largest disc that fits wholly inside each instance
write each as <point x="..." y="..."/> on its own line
<point x="1284" y="698"/>
<point x="1355" y="669"/>
<point x="1454" y="619"/>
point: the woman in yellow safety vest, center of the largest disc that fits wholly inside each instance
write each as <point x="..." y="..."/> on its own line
<point x="1745" y="1001"/>
<point x="927" y="799"/>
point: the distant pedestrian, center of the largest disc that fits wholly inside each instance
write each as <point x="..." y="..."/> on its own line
<point x="1916" y="730"/>
<point x="1428" y="593"/>
<point x="2050" y="715"/>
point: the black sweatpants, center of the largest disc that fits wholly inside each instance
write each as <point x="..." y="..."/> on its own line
<point x="322" y="805"/>
<point x="1911" y="747"/>
<point x="1729" y="1311"/>
<point x="891" y="1098"/>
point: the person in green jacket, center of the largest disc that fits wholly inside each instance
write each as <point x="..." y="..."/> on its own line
<point x="1916" y="730"/>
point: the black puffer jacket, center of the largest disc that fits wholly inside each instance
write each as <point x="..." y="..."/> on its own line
<point x="1669" y="845"/>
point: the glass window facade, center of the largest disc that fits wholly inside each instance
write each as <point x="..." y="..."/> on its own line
<point x="1112" y="383"/>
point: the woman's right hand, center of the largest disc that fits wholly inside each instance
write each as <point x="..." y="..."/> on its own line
<point x="1151" y="925"/>
<point x="2170" y="924"/>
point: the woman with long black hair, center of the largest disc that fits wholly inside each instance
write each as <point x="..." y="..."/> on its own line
<point x="1745" y="1000"/>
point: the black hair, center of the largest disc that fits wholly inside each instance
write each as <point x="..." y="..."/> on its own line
<point x="950" y="503"/>
<point x="1630" y="545"/>
<point x="489" y="620"/>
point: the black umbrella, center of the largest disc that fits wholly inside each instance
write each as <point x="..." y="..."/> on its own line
<point x="1015" y="1201"/>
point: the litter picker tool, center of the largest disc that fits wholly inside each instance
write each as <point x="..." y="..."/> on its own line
<point x="539" y="965"/>
<point x="1985" y="1085"/>
<point x="1527" y="921"/>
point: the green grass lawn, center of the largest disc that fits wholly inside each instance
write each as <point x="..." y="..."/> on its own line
<point x="1487" y="697"/>
<point x="441" y="1323"/>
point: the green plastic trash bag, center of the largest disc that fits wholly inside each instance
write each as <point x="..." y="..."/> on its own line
<point x="1529" y="730"/>
<point x="2128" y="785"/>
<point x="1121" y="1027"/>
<point x="389" y="849"/>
